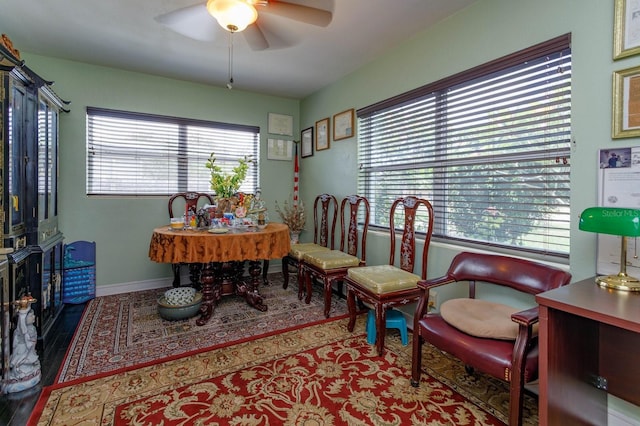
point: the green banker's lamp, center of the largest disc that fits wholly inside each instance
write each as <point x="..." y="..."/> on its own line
<point x="614" y="221"/>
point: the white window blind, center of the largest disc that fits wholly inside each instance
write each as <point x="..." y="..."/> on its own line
<point x="142" y="154"/>
<point x="489" y="147"/>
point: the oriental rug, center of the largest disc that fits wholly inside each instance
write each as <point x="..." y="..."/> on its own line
<point x="320" y="374"/>
<point x="124" y="330"/>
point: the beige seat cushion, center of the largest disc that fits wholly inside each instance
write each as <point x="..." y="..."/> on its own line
<point x="330" y="259"/>
<point x="481" y="318"/>
<point x="298" y="250"/>
<point x="383" y="278"/>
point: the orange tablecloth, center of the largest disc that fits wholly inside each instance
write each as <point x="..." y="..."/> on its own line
<point x="193" y="246"/>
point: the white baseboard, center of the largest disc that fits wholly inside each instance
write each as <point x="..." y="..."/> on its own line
<point x="111" y="289"/>
<point x="617" y="418"/>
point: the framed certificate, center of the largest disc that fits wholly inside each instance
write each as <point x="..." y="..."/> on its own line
<point x="280" y="124"/>
<point x="306" y="137"/>
<point x="322" y="134"/>
<point x="343" y="125"/>
<point x="278" y="149"/>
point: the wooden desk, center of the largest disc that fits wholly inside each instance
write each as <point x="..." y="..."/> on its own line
<point x="588" y="335"/>
<point x="224" y="256"/>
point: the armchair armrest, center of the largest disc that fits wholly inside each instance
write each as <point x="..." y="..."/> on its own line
<point x="425" y="286"/>
<point x="527" y="317"/>
<point x="436" y="282"/>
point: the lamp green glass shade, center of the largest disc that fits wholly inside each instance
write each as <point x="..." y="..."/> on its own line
<point x="614" y="221"/>
<point x="611" y="220"/>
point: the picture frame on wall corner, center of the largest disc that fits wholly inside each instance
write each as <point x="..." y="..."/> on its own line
<point x="626" y="103"/>
<point x="343" y="125"/>
<point x="626" y="28"/>
<point x="322" y="134"/>
<point x="306" y="142"/>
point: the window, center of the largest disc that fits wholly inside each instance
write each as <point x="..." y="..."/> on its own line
<point x="488" y="147"/>
<point x="141" y="154"/>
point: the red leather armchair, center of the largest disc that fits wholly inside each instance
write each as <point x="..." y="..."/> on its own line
<point x="514" y="361"/>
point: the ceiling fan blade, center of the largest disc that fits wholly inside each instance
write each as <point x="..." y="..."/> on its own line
<point x="255" y="38"/>
<point x="191" y="21"/>
<point x="298" y="12"/>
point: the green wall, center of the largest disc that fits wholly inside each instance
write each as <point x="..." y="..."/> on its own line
<point x="486" y="30"/>
<point x="121" y="227"/>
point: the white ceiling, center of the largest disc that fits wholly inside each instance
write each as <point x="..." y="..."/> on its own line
<point x="124" y="34"/>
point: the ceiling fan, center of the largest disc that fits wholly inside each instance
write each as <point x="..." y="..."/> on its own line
<point x="240" y="16"/>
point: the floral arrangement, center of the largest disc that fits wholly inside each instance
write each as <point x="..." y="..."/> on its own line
<point x="292" y="216"/>
<point x="225" y="185"/>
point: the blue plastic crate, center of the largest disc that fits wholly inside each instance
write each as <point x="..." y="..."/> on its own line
<point x="79" y="272"/>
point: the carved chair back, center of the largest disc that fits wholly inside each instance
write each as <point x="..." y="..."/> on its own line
<point x="351" y="208"/>
<point x="191" y="200"/>
<point x="414" y="217"/>
<point x="325" y="217"/>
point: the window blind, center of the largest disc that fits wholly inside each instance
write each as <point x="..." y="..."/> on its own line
<point x="490" y="148"/>
<point x="142" y="154"/>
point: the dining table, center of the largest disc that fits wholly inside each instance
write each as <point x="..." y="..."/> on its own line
<point x="221" y="254"/>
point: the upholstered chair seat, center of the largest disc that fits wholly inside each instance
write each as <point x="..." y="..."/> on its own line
<point x="330" y="259"/>
<point x="383" y="278"/>
<point x="299" y="250"/>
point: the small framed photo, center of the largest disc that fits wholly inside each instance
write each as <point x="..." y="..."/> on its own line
<point x="343" y="125"/>
<point x="278" y="149"/>
<point x="322" y="134"/>
<point x="306" y="139"/>
<point x="626" y="28"/>
<point x="626" y="103"/>
<point x="280" y="124"/>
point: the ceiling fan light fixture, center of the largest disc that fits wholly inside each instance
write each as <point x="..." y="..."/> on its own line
<point x="232" y="15"/>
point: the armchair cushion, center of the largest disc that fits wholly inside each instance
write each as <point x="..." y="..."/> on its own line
<point x="330" y="259"/>
<point x="383" y="278"/>
<point x="298" y="250"/>
<point x="480" y="318"/>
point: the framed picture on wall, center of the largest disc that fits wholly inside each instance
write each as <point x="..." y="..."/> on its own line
<point x="626" y="28"/>
<point x="278" y="149"/>
<point x="306" y="139"/>
<point x="322" y="134"/>
<point x="280" y="124"/>
<point x="343" y="125"/>
<point x="626" y="103"/>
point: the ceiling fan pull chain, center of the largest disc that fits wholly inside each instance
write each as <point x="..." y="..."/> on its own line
<point x="230" y="83"/>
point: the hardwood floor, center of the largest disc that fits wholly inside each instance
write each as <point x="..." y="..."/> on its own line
<point x="15" y="408"/>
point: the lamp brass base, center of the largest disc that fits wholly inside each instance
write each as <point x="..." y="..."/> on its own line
<point x="619" y="282"/>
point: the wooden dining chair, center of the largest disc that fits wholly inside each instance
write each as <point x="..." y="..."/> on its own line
<point x="331" y="266"/>
<point x="191" y="202"/>
<point x="325" y="216"/>
<point x="386" y="286"/>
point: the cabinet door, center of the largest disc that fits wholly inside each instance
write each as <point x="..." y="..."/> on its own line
<point x="18" y="132"/>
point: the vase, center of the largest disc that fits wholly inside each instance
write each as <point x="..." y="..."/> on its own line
<point x="295" y="237"/>
<point x="225" y="205"/>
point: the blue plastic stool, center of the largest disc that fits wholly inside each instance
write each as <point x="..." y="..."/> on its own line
<point x="395" y="319"/>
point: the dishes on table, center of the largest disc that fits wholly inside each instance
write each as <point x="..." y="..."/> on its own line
<point x="218" y="230"/>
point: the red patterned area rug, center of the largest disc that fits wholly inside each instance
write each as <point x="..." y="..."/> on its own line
<point x="320" y="374"/>
<point x="125" y="330"/>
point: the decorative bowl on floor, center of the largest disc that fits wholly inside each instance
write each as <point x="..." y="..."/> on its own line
<point x="179" y="312"/>
<point x="180" y="296"/>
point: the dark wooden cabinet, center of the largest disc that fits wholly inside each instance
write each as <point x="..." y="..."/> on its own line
<point x="589" y="345"/>
<point x="29" y="118"/>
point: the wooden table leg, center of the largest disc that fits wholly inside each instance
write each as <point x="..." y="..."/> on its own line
<point x="210" y="278"/>
<point x="249" y="288"/>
